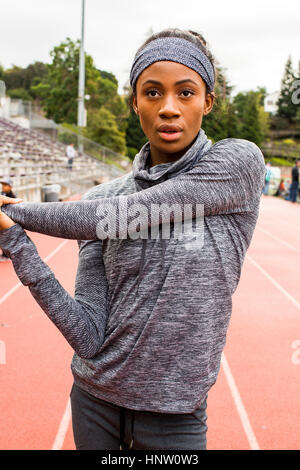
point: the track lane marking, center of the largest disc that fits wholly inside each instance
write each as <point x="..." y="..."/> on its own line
<point x="279" y="239"/>
<point x="229" y="377"/>
<point x="63" y="428"/>
<point x="239" y="405"/>
<point x="275" y="283"/>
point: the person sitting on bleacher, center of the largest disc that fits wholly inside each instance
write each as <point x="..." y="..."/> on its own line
<point x="6" y="191"/>
<point x="71" y="155"/>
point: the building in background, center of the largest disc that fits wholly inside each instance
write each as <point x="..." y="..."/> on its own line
<point x="270" y="105"/>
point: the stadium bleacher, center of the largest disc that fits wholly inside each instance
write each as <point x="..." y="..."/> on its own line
<point x="33" y="160"/>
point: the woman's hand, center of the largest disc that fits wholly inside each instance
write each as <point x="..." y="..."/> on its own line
<point x="5" y="221"/>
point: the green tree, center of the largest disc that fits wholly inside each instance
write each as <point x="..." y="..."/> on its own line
<point x="296" y="97"/>
<point x="33" y="74"/>
<point x="286" y="108"/>
<point x="1" y="73"/>
<point x="102" y="128"/>
<point x="221" y="122"/>
<point x="19" y="94"/>
<point x="14" y="77"/>
<point x="135" y="137"/>
<point x="109" y="75"/>
<point x="119" y="109"/>
<point x="18" y="80"/>
<point x="253" y="122"/>
<point x="59" y="89"/>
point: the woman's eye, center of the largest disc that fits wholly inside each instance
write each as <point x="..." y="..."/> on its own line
<point x="187" y="93"/>
<point x="152" y="93"/>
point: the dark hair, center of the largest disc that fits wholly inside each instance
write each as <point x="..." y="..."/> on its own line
<point x="189" y="35"/>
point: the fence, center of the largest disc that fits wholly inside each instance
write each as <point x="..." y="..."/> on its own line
<point x="288" y="152"/>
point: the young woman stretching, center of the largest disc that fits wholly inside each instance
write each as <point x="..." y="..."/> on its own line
<point x="149" y="317"/>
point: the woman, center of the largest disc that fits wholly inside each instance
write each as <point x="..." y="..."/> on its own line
<point x="150" y="314"/>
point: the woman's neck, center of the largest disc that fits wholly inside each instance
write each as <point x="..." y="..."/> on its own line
<point x="157" y="157"/>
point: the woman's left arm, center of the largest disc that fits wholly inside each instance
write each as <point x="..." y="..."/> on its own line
<point x="82" y="319"/>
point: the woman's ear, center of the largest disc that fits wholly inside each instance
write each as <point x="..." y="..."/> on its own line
<point x="209" y="103"/>
<point x="134" y="105"/>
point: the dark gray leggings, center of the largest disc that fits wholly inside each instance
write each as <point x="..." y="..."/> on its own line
<point x="99" y="425"/>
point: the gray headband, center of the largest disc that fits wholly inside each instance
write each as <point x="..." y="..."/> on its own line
<point x="174" y="50"/>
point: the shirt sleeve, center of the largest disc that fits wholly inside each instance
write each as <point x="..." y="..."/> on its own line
<point x="81" y="319"/>
<point x="228" y="179"/>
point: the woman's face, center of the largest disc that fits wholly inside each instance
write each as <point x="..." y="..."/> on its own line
<point x="170" y="101"/>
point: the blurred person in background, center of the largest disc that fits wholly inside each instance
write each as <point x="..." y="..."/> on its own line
<point x="281" y="188"/>
<point x="6" y="191"/>
<point x="267" y="179"/>
<point x="295" y="182"/>
<point x="71" y="155"/>
<point x="7" y="187"/>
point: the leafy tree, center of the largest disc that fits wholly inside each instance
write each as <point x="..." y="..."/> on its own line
<point x="119" y="109"/>
<point x="14" y="77"/>
<point x="19" y="78"/>
<point x="296" y="96"/>
<point x="108" y="75"/>
<point x="286" y="108"/>
<point x="58" y="92"/>
<point x="102" y="128"/>
<point x="19" y="94"/>
<point x="253" y="121"/>
<point x="220" y="123"/>
<point x="1" y="73"/>
<point x="263" y="93"/>
<point x="135" y="137"/>
<point x="33" y="74"/>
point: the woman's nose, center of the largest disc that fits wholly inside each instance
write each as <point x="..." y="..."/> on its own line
<point x="169" y="107"/>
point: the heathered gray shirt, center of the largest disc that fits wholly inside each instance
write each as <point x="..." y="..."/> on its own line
<point x="149" y="318"/>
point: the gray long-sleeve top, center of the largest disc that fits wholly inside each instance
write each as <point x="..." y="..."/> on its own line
<point x="149" y="318"/>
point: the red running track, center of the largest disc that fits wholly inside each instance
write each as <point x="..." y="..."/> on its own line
<point x="255" y="401"/>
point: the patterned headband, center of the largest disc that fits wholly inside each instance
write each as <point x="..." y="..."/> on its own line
<point x="175" y="50"/>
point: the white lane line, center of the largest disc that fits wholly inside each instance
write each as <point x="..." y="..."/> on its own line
<point x="239" y="405"/>
<point x="229" y="377"/>
<point x="19" y="284"/>
<point x="279" y="239"/>
<point x="10" y="292"/>
<point x="275" y="283"/>
<point x="63" y="428"/>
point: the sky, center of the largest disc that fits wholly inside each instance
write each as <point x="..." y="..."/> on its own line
<point x="250" y="39"/>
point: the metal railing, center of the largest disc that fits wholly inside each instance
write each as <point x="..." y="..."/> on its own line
<point x="92" y="149"/>
<point x="288" y="152"/>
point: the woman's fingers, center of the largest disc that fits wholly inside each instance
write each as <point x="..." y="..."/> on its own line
<point x="9" y="200"/>
<point x="5" y="221"/>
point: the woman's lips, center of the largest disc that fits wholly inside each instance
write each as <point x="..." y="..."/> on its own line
<point x="170" y="136"/>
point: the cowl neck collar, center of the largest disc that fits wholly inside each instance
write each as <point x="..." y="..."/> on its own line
<point x="145" y="176"/>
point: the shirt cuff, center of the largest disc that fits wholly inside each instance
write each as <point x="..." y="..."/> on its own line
<point x="11" y="238"/>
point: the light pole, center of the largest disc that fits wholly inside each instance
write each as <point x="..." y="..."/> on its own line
<point x="81" y="81"/>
